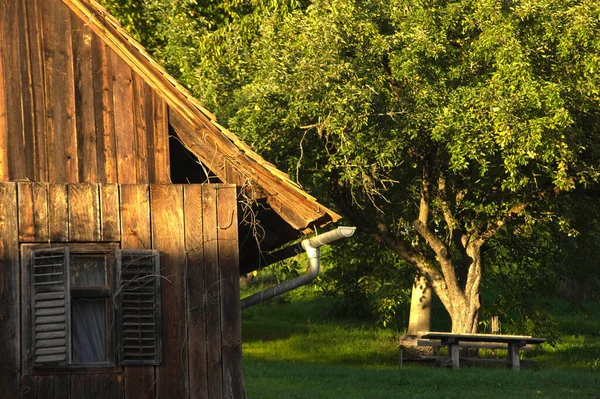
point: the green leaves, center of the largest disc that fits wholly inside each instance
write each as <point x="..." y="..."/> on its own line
<point x="362" y="99"/>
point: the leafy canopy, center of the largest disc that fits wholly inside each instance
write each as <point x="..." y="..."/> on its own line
<point x="465" y="115"/>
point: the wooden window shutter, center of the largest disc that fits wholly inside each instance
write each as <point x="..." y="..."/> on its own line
<point x="50" y="306"/>
<point x="138" y="307"/>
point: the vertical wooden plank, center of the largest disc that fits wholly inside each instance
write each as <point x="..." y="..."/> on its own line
<point x="109" y="212"/>
<point x="62" y="386"/>
<point x="34" y="30"/>
<point x="40" y="211"/>
<point x="118" y="387"/>
<point x="9" y="292"/>
<point x="33" y="212"/>
<point x="135" y="217"/>
<point x="45" y="386"/>
<point x="123" y="116"/>
<point x="150" y="122"/>
<point x="213" y="291"/>
<point x="104" y="111"/>
<point x="58" y="217"/>
<point x="135" y="234"/>
<point x="84" y="101"/>
<point x="14" y="91"/>
<point x="26" y="346"/>
<point x="78" y="384"/>
<point x="92" y="386"/>
<point x="84" y="212"/>
<point x="231" y="318"/>
<point x="196" y="298"/>
<point x="168" y="237"/>
<point x="4" y="167"/>
<point x="59" y="85"/>
<point x="27" y="102"/>
<point x="26" y="227"/>
<point x="141" y="141"/>
<point x="161" y="141"/>
<point x="28" y="387"/>
<point x="105" y="386"/>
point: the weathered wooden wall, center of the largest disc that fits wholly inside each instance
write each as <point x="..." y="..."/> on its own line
<point x="70" y="109"/>
<point x="194" y="225"/>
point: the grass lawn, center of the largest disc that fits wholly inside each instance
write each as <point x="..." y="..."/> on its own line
<point x="291" y="350"/>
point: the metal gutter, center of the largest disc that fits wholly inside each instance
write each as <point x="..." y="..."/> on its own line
<point x="312" y="247"/>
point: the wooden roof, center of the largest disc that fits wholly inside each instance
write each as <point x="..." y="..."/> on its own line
<point x="220" y="150"/>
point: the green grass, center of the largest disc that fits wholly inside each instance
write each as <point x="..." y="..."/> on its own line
<point x="293" y="349"/>
<point x="272" y="379"/>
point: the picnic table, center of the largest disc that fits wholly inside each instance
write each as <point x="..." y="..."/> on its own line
<point x="515" y="343"/>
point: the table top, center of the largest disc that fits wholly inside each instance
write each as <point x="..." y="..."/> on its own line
<point x="484" y="337"/>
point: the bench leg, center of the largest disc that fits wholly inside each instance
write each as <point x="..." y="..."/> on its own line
<point x="453" y="352"/>
<point x="513" y="356"/>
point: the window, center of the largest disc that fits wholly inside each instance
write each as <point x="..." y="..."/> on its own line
<point x="90" y="303"/>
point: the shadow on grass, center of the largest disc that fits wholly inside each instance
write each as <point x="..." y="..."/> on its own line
<point x="571" y="352"/>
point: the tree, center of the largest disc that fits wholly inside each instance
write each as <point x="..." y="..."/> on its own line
<point x="431" y="125"/>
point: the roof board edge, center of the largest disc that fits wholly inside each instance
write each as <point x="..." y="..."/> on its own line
<point x="180" y="99"/>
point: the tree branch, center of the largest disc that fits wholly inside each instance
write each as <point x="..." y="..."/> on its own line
<point x="446" y="212"/>
<point x="425" y="196"/>
<point x="417" y="260"/>
<point x="493" y="227"/>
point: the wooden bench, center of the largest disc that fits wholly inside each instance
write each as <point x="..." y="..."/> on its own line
<point x="436" y="343"/>
<point x="514" y="343"/>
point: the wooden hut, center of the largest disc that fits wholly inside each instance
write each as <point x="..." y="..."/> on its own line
<point x="117" y="280"/>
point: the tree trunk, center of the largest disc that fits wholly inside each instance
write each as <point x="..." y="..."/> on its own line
<point x="464" y="309"/>
<point x="464" y="318"/>
<point x="420" y="307"/>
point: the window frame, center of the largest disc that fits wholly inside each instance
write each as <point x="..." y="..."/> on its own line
<point x="111" y="366"/>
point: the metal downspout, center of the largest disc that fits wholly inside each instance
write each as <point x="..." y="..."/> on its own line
<point x="312" y="247"/>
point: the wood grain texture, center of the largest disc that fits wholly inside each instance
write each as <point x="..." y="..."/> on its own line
<point x="84" y="212"/>
<point x="150" y="126"/>
<point x="59" y="86"/>
<point x="9" y="292"/>
<point x="13" y="89"/>
<point x="26" y="332"/>
<point x="140" y="138"/>
<point x="40" y="211"/>
<point x="168" y="237"/>
<point x="33" y="212"/>
<point x="45" y="386"/>
<point x="4" y="155"/>
<point x="135" y="217"/>
<point x="62" y="387"/>
<point x="161" y="141"/>
<point x="29" y="387"/>
<point x="231" y="318"/>
<point x="84" y="101"/>
<point x="92" y="385"/>
<point x="26" y="227"/>
<point x="213" y="292"/>
<point x="196" y="292"/>
<point x="58" y="217"/>
<point x="27" y="100"/>
<point x="123" y="117"/>
<point x="78" y="383"/>
<point x="139" y="381"/>
<point x="104" y="111"/>
<point x="105" y="386"/>
<point x="109" y="212"/>
<point x="36" y="61"/>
